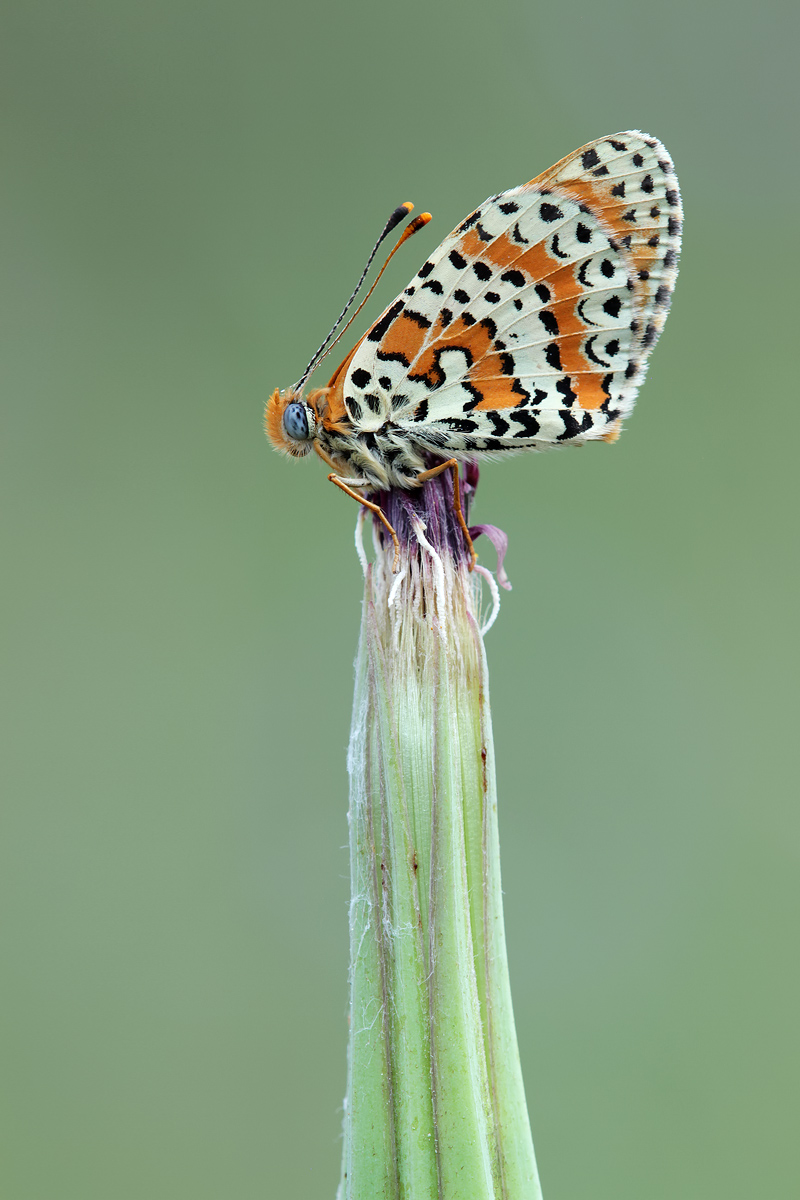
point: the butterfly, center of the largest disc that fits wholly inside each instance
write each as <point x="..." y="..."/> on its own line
<point x="530" y="327"/>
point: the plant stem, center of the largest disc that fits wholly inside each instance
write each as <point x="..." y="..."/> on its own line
<point x="435" y="1106"/>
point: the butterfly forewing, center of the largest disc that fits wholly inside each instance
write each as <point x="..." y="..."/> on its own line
<point x="531" y="323"/>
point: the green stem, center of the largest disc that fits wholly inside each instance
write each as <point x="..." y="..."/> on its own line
<point x="435" y="1105"/>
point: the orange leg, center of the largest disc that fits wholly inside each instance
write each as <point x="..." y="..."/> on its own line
<point x="434" y="471"/>
<point x="378" y="513"/>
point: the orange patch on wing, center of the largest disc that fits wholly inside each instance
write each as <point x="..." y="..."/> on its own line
<point x="564" y="312"/>
<point x="472" y="245"/>
<point x="591" y="393"/>
<point x="497" y="386"/>
<point x="503" y="251"/>
<point x="457" y="336"/>
<point x="597" y="197"/>
<point x="585" y="379"/>
<point x="404" y="336"/>
<point x="537" y="263"/>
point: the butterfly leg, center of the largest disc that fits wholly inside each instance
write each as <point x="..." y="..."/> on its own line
<point x="434" y="471"/>
<point x="340" y="483"/>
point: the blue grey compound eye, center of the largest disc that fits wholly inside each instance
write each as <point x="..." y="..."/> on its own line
<point x="295" y="422"/>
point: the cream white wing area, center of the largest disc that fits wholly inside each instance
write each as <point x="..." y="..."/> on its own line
<point x="531" y="324"/>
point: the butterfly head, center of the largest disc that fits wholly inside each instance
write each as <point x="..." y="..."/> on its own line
<point x="291" y="422"/>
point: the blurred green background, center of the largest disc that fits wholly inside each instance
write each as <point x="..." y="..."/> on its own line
<point x="189" y="192"/>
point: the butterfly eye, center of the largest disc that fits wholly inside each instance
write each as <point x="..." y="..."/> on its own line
<point x="295" y="422"/>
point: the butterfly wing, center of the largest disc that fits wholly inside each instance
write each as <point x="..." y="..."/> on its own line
<point x="531" y="324"/>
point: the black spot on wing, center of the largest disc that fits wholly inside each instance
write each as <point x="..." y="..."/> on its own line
<point x="425" y="270"/>
<point x="394" y="356"/>
<point x="361" y="377"/>
<point x="552" y="356"/>
<point x="606" y="405"/>
<point x="589" y="158"/>
<point x="481" y="269"/>
<point x="470" y="221"/>
<point x="565" y="387"/>
<point x="525" y="418"/>
<point x="580" y="311"/>
<point x="457" y="260"/>
<point x="499" y="425"/>
<point x="589" y="351"/>
<point x="509" y="207"/>
<point x="573" y="427"/>
<point x="583" y="233"/>
<point x="549" y="321"/>
<point x="477" y="396"/>
<point x="380" y="328"/>
<point x="460" y="425"/>
<point x="513" y="277"/>
<point x="550" y="212"/>
<point x="434" y="285"/>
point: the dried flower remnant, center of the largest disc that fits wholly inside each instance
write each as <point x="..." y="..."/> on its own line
<point x="435" y="1106"/>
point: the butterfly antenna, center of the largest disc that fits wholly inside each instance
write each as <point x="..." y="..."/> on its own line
<point x="397" y="216"/>
<point x="411" y="228"/>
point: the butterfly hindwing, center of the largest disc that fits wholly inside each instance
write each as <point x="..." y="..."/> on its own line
<point x="531" y="324"/>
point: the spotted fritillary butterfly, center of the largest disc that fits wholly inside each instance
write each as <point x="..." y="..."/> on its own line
<point x="529" y="327"/>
